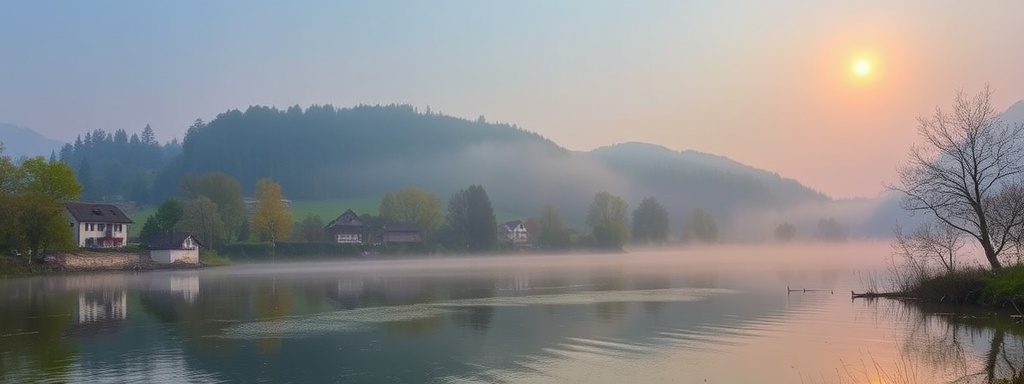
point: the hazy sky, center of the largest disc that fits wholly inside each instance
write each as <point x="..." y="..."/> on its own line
<point x="771" y="85"/>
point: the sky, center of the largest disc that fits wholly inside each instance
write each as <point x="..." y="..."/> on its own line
<point x="770" y="84"/>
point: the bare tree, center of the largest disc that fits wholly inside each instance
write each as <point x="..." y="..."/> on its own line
<point x="968" y="156"/>
<point x="928" y="244"/>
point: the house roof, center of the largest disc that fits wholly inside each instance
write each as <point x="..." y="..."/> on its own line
<point x="347" y="219"/>
<point x="171" y="240"/>
<point x="97" y="213"/>
<point x="403" y="226"/>
<point x="510" y="225"/>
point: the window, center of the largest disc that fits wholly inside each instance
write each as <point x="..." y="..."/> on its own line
<point x="88" y="226"/>
<point x="99" y="227"/>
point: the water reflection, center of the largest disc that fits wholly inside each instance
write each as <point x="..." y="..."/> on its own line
<point x="596" y="320"/>
<point x="952" y="337"/>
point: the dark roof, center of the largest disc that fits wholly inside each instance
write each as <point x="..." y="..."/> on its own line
<point x="171" y="240"/>
<point x="97" y="213"/>
<point x="403" y="226"/>
<point x="348" y="219"/>
<point x="512" y="224"/>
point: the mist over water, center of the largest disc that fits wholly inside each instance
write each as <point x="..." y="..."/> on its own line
<point x="767" y="314"/>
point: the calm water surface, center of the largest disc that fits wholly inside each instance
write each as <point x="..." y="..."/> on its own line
<point x="720" y="315"/>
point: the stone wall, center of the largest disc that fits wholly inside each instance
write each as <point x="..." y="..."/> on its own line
<point x="101" y="260"/>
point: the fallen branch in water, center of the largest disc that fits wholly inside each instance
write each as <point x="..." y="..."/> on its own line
<point x="875" y="295"/>
<point x="790" y="290"/>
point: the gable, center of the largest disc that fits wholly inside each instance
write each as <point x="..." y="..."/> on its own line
<point x="347" y="219"/>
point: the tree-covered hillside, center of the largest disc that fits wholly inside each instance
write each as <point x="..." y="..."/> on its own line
<point x="319" y="152"/>
<point x="689" y="179"/>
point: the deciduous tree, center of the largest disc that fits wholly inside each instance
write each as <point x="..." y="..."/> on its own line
<point x="551" y="231"/>
<point x="414" y="205"/>
<point x="700" y="227"/>
<point x="271" y="220"/>
<point x="608" y="220"/>
<point x="650" y="222"/>
<point x="967" y="157"/>
<point x="203" y="218"/>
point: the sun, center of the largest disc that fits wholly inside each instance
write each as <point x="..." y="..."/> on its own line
<point x="861" y="67"/>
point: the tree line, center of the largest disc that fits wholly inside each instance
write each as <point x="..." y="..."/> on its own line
<point x="32" y="196"/>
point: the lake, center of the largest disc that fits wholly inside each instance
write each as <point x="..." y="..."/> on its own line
<point x="714" y="315"/>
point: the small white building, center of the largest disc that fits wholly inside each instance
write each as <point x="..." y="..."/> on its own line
<point x="514" y="232"/>
<point x="97" y="225"/>
<point x="174" y="247"/>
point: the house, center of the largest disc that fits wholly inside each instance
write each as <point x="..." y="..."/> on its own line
<point x="513" y="232"/>
<point x="174" y="247"/>
<point x="97" y="225"/>
<point x="402" y="233"/>
<point x="347" y="229"/>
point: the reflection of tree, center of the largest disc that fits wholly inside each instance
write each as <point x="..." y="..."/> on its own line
<point x="39" y="348"/>
<point x="477" y="317"/>
<point x="273" y="304"/>
<point x="611" y="279"/>
<point x="418" y="327"/>
<point x="944" y="341"/>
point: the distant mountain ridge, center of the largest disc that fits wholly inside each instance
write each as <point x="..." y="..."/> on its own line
<point x="23" y="142"/>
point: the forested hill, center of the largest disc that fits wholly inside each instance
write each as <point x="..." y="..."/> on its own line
<point x="703" y="175"/>
<point x="321" y="151"/>
<point x="324" y="152"/>
<point x="684" y="180"/>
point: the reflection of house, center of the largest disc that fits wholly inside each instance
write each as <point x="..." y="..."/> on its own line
<point x="402" y="233"/>
<point x="174" y="247"/>
<point x="347" y="228"/>
<point x="101" y="306"/>
<point x="186" y="286"/>
<point x="514" y="232"/>
<point x="97" y="225"/>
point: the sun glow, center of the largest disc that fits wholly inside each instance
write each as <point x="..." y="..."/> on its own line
<point x="861" y="67"/>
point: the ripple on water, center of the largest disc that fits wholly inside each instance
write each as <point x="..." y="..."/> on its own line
<point x="362" y="319"/>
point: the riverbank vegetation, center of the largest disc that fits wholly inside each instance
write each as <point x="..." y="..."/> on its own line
<point x="967" y="177"/>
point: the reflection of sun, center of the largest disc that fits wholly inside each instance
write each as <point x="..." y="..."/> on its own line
<point x="861" y="67"/>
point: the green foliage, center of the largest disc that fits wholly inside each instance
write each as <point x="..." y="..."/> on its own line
<point x="413" y="205"/>
<point x="551" y="231"/>
<point x="310" y="151"/>
<point x="211" y="258"/>
<point x="165" y="219"/>
<point x="248" y="251"/>
<point x="311" y="229"/>
<point x="471" y="222"/>
<point x="53" y="180"/>
<point x="965" y="286"/>
<point x="701" y="227"/>
<point x="225" y="192"/>
<point x="271" y="219"/>
<point x="608" y="221"/>
<point x="281" y="251"/>
<point x="650" y="222"/>
<point x="1006" y="286"/>
<point x="169" y="214"/>
<point x="128" y="164"/>
<point x="203" y="219"/>
<point x="32" y="197"/>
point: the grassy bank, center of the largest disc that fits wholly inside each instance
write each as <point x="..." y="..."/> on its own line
<point x="14" y="267"/>
<point x="977" y="286"/>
